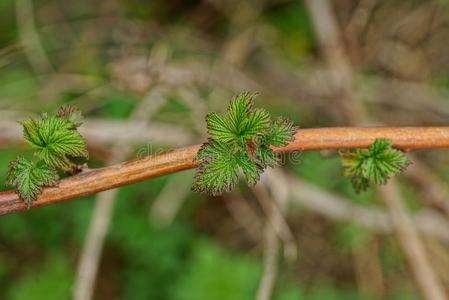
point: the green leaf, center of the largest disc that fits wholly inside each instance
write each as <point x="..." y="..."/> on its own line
<point x="281" y="132"/>
<point x="374" y="165"/>
<point x="58" y="145"/>
<point x="218" y="171"/>
<point x="239" y="109"/>
<point x="241" y="124"/>
<point x="29" y="178"/>
<point x="240" y="140"/>
<point x="250" y="168"/>
<point x="267" y="157"/>
<point x="220" y="128"/>
<point x="55" y="140"/>
<point x="256" y="123"/>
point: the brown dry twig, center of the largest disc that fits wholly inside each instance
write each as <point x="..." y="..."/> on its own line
<point x="93" y="181"/>
<point x="338" y="208"/>
<point x="426" y="278"/>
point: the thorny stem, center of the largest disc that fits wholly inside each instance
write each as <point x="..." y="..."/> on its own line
<point x="97" y="180"/>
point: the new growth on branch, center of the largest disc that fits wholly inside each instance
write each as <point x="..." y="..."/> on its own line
<point x="244" y="140"/>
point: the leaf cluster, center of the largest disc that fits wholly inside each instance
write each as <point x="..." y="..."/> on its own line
<point x="57" y="145"/>
<point x="239" y="141"/>
<point x="374" y="165"/>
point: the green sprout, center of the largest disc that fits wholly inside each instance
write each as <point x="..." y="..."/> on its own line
<point x="57" y="144"/>
<point x="241" y="140"/>
<point x="374" y="165"/>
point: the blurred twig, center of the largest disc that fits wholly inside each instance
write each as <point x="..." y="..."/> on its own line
<point x="368" y="269"/>
<point x="30" y="38"/>
<point x="7" y="54"/>
<point x="357" y="25"/>
<point x="440" y="258"/>
<point x="197" y="108"/>
<point x="105" y="132"/>
<point x="91" y="252"/>
<point x="245" y="215"/>
<point x="169" y="200"/>
<point x="242" y="30"/>
<point x="427" y="280"/>
<point x="433" y="190"/>
<point x="277" y="222"/>
<point x="270" y="257"/>
<point x="278" y="197"/>
<point x="326" y="28"/>
<point x="338" y="208"/>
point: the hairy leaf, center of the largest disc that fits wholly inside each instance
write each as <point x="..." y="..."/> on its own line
<point x="374" y="165"/>
<point x="218" y="170"/>
<point x="250" y="168"/>
<point x="55" y="140"/>
<point x="241" y="124"/>
<point x="267" y="157"/>
<point x="29" y="178"/>
<point x="58" y="145"/>
<point x="220" y="128"/>
<point x="256" y="123"/>
<point x="240" y="140"/>
<point x="281" y="132"/>
<point x="239" y="109"/>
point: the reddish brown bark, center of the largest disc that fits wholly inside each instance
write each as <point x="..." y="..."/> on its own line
<point x="360" y="137"/>
<point x="93" y="181"/>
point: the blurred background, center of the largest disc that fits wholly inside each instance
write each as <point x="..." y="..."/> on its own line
<point x="146" y="72"/>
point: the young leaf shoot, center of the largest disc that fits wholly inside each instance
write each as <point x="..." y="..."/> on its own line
<point x="30" y="177"/>
<point x="374" y="165"/>
<point x="239" y="141"/>
<point x="57" y="144"/>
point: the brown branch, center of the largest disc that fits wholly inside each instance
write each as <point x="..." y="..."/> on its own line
<point x="361" y="137"/>
<point x="93" y="181"/>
